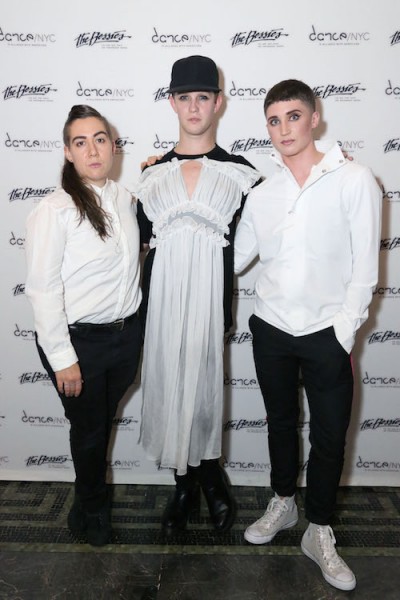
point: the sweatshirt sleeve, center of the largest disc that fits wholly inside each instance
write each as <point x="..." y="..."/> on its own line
<point x="246" y="244"/>
<point x="363" y="200"/>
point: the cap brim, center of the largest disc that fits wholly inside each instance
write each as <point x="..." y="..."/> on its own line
<point x="193" y="88"/>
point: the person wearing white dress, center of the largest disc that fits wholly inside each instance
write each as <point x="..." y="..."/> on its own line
<point x="189" y="201"/>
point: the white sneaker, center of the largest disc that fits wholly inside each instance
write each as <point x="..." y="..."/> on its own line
<point x="280" y="514"/>
<point x="318" y="543"/>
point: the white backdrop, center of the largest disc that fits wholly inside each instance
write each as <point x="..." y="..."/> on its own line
<point x="117" y="57"/>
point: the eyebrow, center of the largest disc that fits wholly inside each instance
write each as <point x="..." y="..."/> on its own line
<point x="84" y="137"/>
<point x="289" y="112"/>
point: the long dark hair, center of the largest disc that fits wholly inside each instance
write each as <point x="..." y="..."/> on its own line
<point x="83" y="196"/>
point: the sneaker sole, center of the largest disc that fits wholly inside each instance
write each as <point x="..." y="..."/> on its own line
<point x="340" y="585"/>
<point x="266" y="538"/>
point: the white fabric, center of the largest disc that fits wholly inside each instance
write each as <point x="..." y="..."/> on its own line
<point x="74" y="275"/>
<point x="182" y="363"/>
<point x="318" y="247"/>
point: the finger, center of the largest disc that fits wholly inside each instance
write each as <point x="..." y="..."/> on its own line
<point x="78" y="388"/>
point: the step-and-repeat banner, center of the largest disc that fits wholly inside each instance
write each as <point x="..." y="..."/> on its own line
<point x="117" y="57"/>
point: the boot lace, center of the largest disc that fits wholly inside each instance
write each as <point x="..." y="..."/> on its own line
<point x="275" y="510"/>
<point x="327" y="541"/>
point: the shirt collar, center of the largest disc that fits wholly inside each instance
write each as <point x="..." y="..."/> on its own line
<point x="333" y="155"/>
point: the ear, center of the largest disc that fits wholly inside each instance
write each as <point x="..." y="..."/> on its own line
<point x="314" y="119"/>
<point x="172" y="101"/>
<point x="68" y="154"/>
<point x="218" y="102"/>
<point x="113" y="147"/>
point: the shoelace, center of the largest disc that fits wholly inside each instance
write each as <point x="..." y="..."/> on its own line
<point x="327" y="542"/>
<point x="275" y="509"/>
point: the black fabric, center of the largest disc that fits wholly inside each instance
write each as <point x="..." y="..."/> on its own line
<point x="108" y="360"/>
<point x="328" y="381"/>
<point x="146" y="228"/>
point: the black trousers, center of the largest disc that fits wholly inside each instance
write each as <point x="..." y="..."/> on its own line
<point x="108" y="359"/>
<point x="328" y="381"/>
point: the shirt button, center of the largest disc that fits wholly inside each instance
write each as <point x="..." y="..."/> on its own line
<point x="324" y="170"/>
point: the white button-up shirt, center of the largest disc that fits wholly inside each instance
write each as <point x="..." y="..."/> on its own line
<point x="318" y="246"/>
<point x="75" y="276"/>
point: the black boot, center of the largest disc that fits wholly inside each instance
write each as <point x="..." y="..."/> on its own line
<point x="98" y="530"/>
<point x="185" y="500"/>
<point x="77" y="518"/>
<point x="217" y="491"/>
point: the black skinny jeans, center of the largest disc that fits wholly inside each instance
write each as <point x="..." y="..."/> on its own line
<point x="328" y="381"/>
<point x="108" y="360"/>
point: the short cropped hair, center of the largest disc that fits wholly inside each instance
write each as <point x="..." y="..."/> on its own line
<point x="290" y="89"/>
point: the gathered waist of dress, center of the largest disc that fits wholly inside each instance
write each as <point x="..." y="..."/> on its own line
<point x="195" y="223"/>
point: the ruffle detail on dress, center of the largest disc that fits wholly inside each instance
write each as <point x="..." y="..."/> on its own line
<point x="187" y="222"/>
<point x="191" y="207"/>
<point x="243" y="175"/>
<point x="151" y="176"/>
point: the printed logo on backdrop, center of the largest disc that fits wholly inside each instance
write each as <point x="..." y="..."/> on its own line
<point x="267" y="38"/>
<point x="31" y="145"/>
<point x="29" y="193"/>
<point x="245" y="466"/>
<point x="392" y="145"/>
<point x="393" y="90"/>
<point x="41" y="92"/>
<point x="16" y="241"/>
<point x="381" y="381"/>
<point x="114" y="40"/>
<point x="382" y="337"/>
<point x="239" y="337"/>
<point x="241" y="383"/>
<point x="259" y="145"/>
<point x="125" y="423"/>
<point x="96" y="94"/>
<point x="168" y="39"/>
<point x="381" y="424"/>
<point x="24" y="334"/>
<point x="395" y="38"/>
<point x="244" y="293"/>
<point x="43" y="420"/>
<point x="351" y="146"/>
<point x="4" y="460"/>
<point x="161" y="94"/>
<point x="123" y="145"/>
<point x="390" y="243"/>
<point x="2" y="418"/>
<point x="377" y="465"/>
<point x="163" y="145"/>
<point x="23" y="38"/>
<point x="248" y="425"/>
<point x="391" y="195"/>
<point x="343" y="92"/>
<point x="121" y="464"/>
<point x="387" y="292"/>
<point x="18" y="290"/>
<point x="61" y="461"/>
<point x="34" y="377"/>
<point x="325" y="37"/>
<point x="245" y="92"/>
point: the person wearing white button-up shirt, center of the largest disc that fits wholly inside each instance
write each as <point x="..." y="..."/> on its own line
<point x="315" y="225"/>
<point x="82" y="249"/>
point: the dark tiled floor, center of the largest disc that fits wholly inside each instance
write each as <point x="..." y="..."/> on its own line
<point x="40" y="560"/>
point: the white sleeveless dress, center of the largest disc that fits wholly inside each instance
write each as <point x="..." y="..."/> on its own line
<point x="182" y="374"/>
